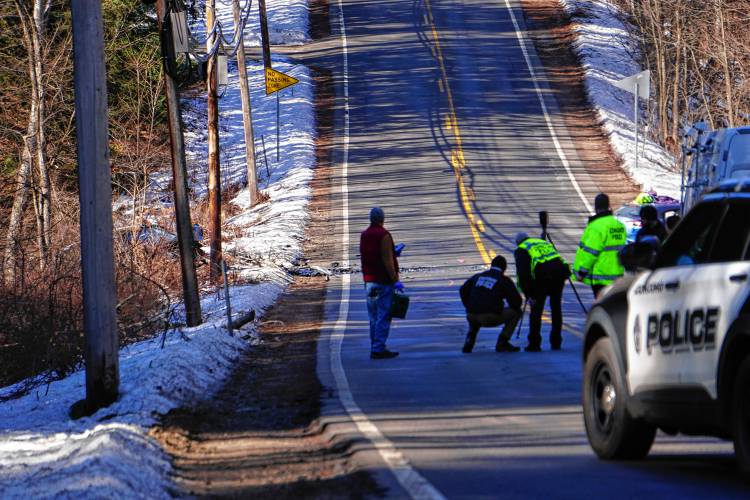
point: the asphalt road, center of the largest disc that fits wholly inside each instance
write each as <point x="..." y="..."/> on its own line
<point x="445" y="129"/>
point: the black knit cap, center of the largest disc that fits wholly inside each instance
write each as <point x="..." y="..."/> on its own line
<point x="500" y="262"/>
<point x="648" y="212"/>
<point x="601" y="202"/>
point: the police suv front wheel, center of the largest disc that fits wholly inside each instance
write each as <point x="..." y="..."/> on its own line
<point x="741" y="417"/>
<point x="611" y="431"/>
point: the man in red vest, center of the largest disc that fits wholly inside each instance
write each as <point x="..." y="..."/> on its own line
<point x="380" y="271"/>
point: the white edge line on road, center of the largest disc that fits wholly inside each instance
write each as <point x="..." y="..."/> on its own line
<point x="522" y="43"/>
<point x="414" y="483"/>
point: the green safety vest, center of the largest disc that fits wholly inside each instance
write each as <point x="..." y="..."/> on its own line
<point x="596" y="256"/>
<point x="540" y="251"/>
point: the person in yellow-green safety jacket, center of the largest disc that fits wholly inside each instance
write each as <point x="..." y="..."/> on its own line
<point x="596" y="262"/>
<point x="541" y="272"/>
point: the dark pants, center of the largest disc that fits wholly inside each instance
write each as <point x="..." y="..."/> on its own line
<point x="508" y="317"/>
<point x="543" y="288"/>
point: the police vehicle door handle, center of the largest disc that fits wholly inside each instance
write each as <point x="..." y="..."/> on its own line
<point x="738" y="278"/>
<point x="673" y="285"/>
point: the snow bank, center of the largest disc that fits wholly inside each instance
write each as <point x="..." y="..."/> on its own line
<point x="603" y="43"/>
<point x="43" y="454"/>
<point x="287" y="21"/>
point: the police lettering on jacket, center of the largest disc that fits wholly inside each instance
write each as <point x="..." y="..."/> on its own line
<point x="486" y="282"/>
<point x="677" y="331"/>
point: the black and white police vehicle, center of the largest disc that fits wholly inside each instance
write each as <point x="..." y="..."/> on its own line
<point x="668" y="345"/>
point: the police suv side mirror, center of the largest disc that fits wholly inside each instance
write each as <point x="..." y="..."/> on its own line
<point x="640" y="255"/>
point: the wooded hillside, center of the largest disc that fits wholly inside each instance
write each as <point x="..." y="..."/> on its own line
<point x="699" y="56"/>
<point x="40" y="289"/>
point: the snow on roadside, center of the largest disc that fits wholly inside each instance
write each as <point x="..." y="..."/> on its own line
<point x="602" y="44"/>
<point x="44" y="454"/>
<point x="287" y="21"/>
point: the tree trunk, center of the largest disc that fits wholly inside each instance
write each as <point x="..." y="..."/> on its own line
<point x="676" y="81"/>
<point x="20" y="199"/>
<point x="725" y="62"/>
<point x="29" y="154"/>
<point x="33" y="26"/>
<point x="41" y="8"/>
<point x="703" y="92"/>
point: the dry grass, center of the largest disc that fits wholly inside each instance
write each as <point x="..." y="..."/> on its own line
<point x="41" y="312"/>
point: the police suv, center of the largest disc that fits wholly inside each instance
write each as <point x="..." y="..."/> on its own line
<point x="668" y="345"/>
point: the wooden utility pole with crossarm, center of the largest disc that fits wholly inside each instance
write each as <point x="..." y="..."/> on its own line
<point x="179" y="175"/>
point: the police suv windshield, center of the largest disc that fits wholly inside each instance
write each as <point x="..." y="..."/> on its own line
<point x="629" y="211"/>
<point x="691" y="241"/>
<point x="738" y="162"/>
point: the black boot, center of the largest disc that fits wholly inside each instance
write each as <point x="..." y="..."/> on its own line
<point x="555" y="341"/>
<point x="505" y="346"/>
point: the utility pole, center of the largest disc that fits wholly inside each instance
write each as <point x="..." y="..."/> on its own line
<point x="179" y="174"/>
<point x="214" y="174"/>
<point x="247" y="114"/>
<point x="264" y="33"/>
<point x="95" y="185"/>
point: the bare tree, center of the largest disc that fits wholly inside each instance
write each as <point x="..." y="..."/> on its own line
<point x="33" y="175"/>
<point x="699" y="56"/>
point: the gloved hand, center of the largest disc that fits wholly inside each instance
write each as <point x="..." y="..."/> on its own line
<point x="398" y="286"/>
<point x="398" y="248"/>
<point x="580" y="274"/>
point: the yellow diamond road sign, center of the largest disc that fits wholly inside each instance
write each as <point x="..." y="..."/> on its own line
<point x="276" y="80"/>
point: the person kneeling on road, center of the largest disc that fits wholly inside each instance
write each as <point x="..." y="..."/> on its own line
<point x="541" y="273"/>
<point x="483" y="295"/>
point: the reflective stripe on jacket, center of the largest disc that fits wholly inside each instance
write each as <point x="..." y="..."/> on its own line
<point x="596" y="256"/>
<point x="540" y="251"/>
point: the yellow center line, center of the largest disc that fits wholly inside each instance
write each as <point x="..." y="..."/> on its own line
<point x="458" y="160"/>
<point x="569" y="328"/>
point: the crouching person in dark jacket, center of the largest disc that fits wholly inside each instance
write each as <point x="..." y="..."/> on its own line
<point x="483" y="296"/>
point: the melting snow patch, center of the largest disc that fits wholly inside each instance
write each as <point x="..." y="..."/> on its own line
<point x="604" y="46"/>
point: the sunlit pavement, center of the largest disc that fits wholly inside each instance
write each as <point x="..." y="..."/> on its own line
<point x="483" y="424"/>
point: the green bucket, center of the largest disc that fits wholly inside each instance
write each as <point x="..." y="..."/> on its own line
<point x="399" y="305"/>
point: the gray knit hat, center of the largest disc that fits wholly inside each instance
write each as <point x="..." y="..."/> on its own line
<point x="520" y="236"/>
<point x="377" y="216"/>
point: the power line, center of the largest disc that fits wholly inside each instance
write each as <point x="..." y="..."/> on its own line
<point x="221" y="44"/>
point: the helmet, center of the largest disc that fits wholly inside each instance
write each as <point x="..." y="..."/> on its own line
<point x="644" y="199"/>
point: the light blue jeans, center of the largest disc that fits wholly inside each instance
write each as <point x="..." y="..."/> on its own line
<point x="379" y="299"/>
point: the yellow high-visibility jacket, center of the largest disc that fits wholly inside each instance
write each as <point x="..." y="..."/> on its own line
<point x="596" y="261"/>
<point x="540" y="251"/>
